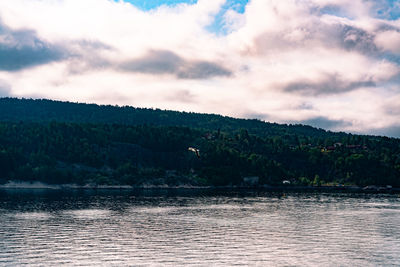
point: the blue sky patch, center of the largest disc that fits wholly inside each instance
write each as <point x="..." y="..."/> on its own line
<point x="218" y="25"/>
<point x="151" y="4"/>
<point x="334" y="10"/>
<point x="387" y="9"/>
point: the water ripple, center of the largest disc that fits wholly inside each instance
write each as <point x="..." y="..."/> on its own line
<point x="109" y="230"/>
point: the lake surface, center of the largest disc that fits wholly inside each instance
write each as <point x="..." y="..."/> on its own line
<point x="197" y="228"/>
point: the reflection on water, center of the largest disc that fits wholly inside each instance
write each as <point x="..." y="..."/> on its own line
<point x="32" y="215"/>
<point x="88" y="214"/>
<point x="169" y="228"/>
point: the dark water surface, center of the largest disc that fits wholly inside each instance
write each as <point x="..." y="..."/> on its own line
<point x="199" y="228"/>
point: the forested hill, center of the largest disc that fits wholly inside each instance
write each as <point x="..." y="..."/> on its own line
<point x="42" y="110"/>
<point x="60" y="142"/>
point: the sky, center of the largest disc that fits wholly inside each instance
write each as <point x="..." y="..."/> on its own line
<point x="333" y="64"/>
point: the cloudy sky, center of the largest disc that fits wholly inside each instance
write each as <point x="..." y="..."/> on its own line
<point x="333" y="64"/>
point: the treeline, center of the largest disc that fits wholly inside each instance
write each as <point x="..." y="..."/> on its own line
<point x="109" y="153"/>
<point x="43" y="110"/>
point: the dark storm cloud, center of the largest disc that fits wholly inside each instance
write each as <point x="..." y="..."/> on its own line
<point x="202" y="70"/>
<point x="346" y="37"/>
<point x="342" y="35"/>
<point x="352" y="38"/>
<point x="21" y="49"/>
<point x="319" y="34"/>
<point x="167" y="62"/>
<point x="155" y="62"/>
<point x="332" y="84"/>
<point x="325" y="123"/>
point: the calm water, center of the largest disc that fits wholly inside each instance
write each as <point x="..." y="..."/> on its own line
<point x="166" y="228"/>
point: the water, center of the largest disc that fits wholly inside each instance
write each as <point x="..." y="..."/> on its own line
<point x="197" y="228"/>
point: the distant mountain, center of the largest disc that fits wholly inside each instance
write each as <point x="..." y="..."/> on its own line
<point x="43" y="110"/>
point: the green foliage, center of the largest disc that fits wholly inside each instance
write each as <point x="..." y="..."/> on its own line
<point x="317" y="180"/>
<point x="304" y="181"/>
<point x="58" y="142"/>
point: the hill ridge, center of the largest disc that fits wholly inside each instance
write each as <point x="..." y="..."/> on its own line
<point x="43" y="110"/>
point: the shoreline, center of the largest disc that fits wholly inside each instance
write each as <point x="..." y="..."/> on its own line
<point x="345" y="189"/>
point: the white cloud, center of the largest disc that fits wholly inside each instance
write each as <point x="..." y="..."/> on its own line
<point x="388" y="41"/>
